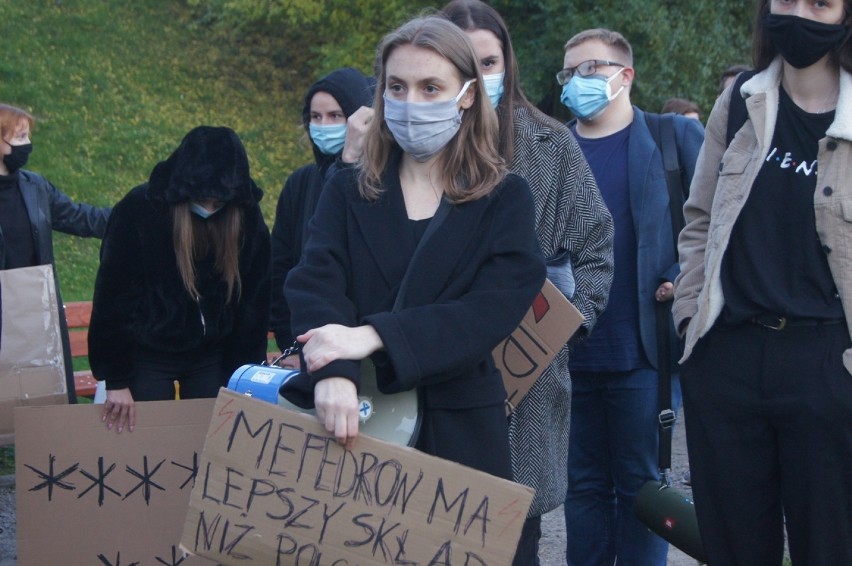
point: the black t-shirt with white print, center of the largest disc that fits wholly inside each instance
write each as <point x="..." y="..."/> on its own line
<point x="775" y="262"/>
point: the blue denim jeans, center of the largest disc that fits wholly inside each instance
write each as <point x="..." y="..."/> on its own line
<point x="612" y="453"/>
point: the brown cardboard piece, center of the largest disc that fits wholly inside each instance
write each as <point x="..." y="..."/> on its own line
<point x="544" y="331"/>
<point x="274" y="488"/>
<point x="32" y="367"/>
<point x="86" y="495"/>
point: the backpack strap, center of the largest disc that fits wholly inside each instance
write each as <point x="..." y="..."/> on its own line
<point x="663" y="131"/>
<point x="737" y="111"/>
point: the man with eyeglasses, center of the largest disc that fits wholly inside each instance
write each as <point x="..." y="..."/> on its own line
<point x="613" y="443"/>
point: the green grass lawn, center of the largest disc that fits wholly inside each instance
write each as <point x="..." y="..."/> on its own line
<point x="115" y="85"/>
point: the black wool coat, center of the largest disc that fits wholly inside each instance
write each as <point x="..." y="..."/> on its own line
<point x="469" y="288"/>
<point x="140" y="300"/>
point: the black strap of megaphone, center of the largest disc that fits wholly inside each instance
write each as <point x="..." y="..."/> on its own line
<point x="663" y="132"/>
<point x="665" y="417"/>
<point x="434" y="224"/>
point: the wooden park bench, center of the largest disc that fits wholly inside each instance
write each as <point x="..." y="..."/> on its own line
<point x="78" y="315"/>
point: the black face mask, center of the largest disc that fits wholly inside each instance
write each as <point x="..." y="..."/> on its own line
<point x="803" y="42"/>
<point x="18" y="157"/>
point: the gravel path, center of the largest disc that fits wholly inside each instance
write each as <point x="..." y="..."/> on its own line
<point x="552" y="550"/>
<point x="8" y="532"/>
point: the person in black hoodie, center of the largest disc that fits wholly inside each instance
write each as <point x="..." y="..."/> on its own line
<point x="182" y="292"/>
<point x="329" y="102"/>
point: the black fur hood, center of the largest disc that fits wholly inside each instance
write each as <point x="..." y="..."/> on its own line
<point x="210" y="163"/>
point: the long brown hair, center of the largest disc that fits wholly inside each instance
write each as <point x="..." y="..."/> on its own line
<point x="472" y="15"/>
<point x="470" y="162"/>
<point x="763" y="52"/>
<point x="194" y="239"/>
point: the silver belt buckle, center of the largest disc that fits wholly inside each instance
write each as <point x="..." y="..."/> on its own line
<point x="779" y="324"/>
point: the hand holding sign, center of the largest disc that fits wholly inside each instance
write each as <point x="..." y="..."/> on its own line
<point x="119" y="410"/>
<point x="274" y="488"/>
<point x="338" y="408"/>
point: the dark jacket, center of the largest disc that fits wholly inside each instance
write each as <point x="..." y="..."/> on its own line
<point x="649" y="204"/>
<point x="140" y="299"/>
<point x="469" y="288"/>
<point x="724" y="177"/>
<point x="50" y="209"/>
<point x="298" y="199"/>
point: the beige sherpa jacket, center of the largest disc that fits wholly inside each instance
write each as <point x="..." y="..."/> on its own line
<point x="722" y="182"/>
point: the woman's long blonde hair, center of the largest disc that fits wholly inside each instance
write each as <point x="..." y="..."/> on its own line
<point x="471" y="163"/>
<point x="194" y="239"/>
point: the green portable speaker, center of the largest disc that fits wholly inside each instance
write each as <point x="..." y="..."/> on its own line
<point x="671" y="515"/>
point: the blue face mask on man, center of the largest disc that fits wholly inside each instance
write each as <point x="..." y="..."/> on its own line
<point x="329" y="138"/>
<point x="588" y="97"/>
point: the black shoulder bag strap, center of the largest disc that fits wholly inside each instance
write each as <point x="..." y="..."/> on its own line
<point x="662" y="129"/>
<point x="737" y="111"/>
<point x="663" y="132"/>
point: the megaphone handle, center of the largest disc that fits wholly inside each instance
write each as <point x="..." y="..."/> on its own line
<point x="294" y="349"/>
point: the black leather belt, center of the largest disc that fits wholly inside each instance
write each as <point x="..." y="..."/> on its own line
<point x="777" y="322"/>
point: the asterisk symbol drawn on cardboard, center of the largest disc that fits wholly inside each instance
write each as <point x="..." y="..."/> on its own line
<point x="52" y="479"/>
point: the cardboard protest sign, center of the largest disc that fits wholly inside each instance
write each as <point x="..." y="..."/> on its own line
<point x="274" y="488"/>
<point x="86" y="495"/>
<point x="544" y="331"/>
<point x="32" y="366"/>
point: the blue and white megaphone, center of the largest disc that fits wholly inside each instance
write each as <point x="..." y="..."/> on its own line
<point x="392" y="417"/>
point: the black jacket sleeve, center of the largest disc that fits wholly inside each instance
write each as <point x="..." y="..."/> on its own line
<point x="284" y="257"/>
<point x="78" y="219"/>
<point x="117" y="294"/>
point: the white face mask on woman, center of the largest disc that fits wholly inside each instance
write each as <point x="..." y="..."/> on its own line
<point x="422" y="129"/>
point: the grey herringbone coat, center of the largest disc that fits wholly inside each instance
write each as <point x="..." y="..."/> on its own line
<point x="570" y="215"/>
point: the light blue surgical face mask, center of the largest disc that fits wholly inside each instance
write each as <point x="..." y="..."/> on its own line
<point x="494" y="87"/>
<point x="201" y="211"/>
<point x="588" y="97"/>
<point x="422" y="129"/>
<point x="330" y="138"/>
